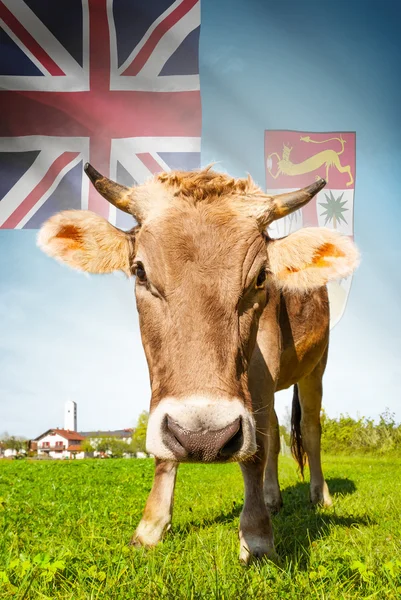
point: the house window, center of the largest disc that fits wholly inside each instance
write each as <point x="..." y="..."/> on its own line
<point x="46" y="444"/>
<point x="59" y="444"/>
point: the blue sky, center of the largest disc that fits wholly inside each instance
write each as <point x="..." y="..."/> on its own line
<point x="312" y="66"/>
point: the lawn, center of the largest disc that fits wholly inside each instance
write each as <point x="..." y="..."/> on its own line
<point x="65" y="528"/>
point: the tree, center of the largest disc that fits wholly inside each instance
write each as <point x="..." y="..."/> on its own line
<point x="285" y="434"/>
<point x="103" y="444"/>
<point x="346" y="434"/>
<point x="100" y="444"/>
<point x="14" y="443"/>
<point x="87" y="445"/>
<point x="286" y="420"/>
<point x="112" y="446"/>
<point x="117" y="447"/>
<point x="138" y="443"/>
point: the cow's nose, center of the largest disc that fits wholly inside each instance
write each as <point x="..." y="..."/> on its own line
<point x="204" y="445"/>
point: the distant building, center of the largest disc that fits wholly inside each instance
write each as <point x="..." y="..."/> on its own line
<point x="59" y="443"/>
<point x="70" y="415"/>
<point x="10" y="452"/>
<point x="95" y="437"/>
<point x="7" y="452"/>
<point x="67" y="443"/>
<point x="121" y="434"/>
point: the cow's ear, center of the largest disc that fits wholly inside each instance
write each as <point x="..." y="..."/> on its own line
<point x="87" y="242"/>
<point x="309" y="258"/>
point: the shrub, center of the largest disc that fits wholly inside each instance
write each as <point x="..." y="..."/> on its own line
<point x="346" y="434"/>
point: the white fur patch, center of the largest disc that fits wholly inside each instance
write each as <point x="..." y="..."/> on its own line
<point x="151" y="529"/>
<point x="200" y="412"/>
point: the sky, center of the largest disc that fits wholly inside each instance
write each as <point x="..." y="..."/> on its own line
<point x="311" y="66"/>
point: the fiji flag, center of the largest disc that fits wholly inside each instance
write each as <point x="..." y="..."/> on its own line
<point x="115" y="82"/>
<point x="293" y="159"/>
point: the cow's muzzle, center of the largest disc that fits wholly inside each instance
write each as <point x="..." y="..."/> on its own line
<point x="201" y="429"/>
<point x="203" y="445"/>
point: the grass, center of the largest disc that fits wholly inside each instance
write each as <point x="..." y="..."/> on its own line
<point x="65" y="526"/>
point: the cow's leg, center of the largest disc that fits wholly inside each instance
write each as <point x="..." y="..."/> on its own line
<point x="159" y="506"/>
<point x="255" y="531"/>
<point x="310" y="396"/>
<point x="271" y="488"/>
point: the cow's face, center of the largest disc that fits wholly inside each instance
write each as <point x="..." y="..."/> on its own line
<point x="204" y="270"/>
<point x="199" y="297"/>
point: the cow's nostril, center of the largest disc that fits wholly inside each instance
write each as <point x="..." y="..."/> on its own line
<point x="204" y="445"/>
<point x="171" y="436"/>
<point x="234" y="444"/>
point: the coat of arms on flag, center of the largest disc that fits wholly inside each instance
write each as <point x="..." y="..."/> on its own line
<point x="113" y="82"/>
<point x="293" y="159"/>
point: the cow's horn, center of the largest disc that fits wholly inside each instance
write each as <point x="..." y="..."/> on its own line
<point x="116" y="194"/>
<point x="285" y="204"/>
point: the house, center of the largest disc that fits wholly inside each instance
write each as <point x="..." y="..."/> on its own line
<point x="60" y="443"/>
<point x="11" y="450"/>
<point x="66" y="443"/>
<point x="7" y="452"/>
<point x="124" y="435"/>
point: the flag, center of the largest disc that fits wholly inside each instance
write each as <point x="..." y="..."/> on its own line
<point x="112" y="82"/>
<point x="293" y="159"/>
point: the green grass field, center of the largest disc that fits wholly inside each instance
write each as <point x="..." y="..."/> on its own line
<point x="65" y="528"/>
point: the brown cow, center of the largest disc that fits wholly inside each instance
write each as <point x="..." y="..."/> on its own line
<point x="228" y="316"/>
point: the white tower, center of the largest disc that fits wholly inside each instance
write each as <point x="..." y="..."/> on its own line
<point x="70" y="415"/>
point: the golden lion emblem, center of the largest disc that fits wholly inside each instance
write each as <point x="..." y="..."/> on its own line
<point x="328" y="158"/>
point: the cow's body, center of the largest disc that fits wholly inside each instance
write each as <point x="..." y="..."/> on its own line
<point x="297" y="355"/>
<point x="228" y="316"/>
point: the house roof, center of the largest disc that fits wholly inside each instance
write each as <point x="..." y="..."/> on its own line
<point x="118" y="433"/>
<point x="67" y="434"/>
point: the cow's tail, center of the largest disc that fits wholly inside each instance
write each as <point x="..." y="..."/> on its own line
<point x="297" y="448"/>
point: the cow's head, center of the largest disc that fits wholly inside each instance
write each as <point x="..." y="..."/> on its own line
<point x="204" y="271"/>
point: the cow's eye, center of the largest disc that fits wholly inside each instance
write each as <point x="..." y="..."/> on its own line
<point x="140" y="273"/>
<point x="261" y="278"/>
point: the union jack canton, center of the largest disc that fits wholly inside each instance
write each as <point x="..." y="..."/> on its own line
<point x="112" y="82"/>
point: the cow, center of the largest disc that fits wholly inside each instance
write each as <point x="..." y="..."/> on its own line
<point x="228" y="316"/>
